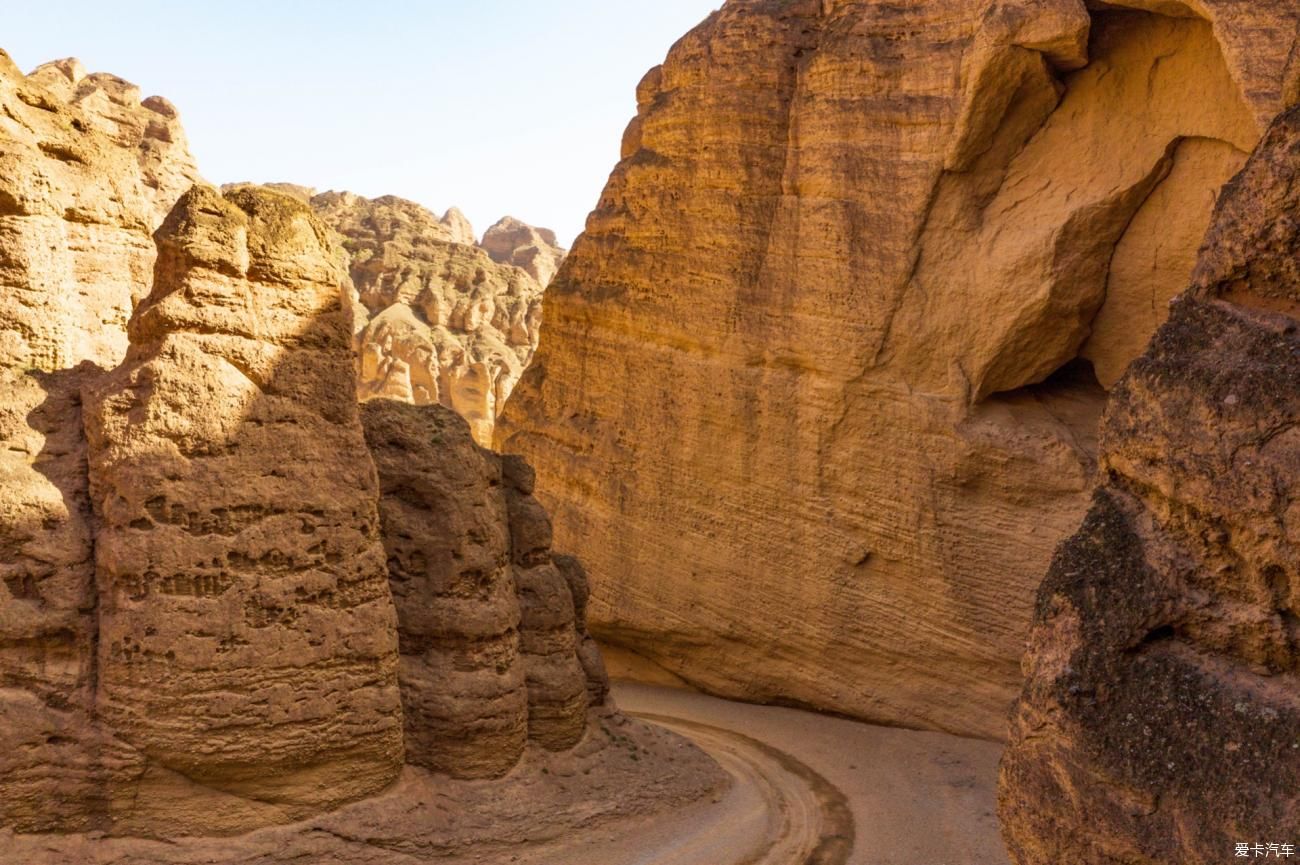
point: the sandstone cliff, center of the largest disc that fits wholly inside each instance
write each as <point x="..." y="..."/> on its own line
<point x="441" y="319"/>
<point x="1161" y="713"/>
<point x="490" y="629"/>
<point x="87" y="172"/>
<point x="816" y="396"/>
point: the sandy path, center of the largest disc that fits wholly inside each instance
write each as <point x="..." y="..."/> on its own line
<point x="915" y="798"/>
<point x="776" y="812"/>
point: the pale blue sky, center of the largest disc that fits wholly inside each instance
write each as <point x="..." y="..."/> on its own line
<point x="496" y="106"/>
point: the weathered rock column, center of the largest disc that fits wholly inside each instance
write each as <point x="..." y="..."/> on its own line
<point x="448" y="544"/>
<point x="247" y="637"/>
<point x="557" y="682"/>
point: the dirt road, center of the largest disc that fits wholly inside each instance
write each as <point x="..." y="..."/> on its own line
<point x="814" y="790"/>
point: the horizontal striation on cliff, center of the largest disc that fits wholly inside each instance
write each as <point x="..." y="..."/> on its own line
<point x="818" y="389"/>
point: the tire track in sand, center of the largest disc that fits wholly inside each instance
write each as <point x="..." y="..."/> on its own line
<point x="779" y="811"/>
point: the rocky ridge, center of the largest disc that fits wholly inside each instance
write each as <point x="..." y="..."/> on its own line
<point x="819" y="386"/>
<point x="1161" y="713"/>
<point x="441" y="319"/>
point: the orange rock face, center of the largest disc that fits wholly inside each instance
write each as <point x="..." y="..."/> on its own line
<point x="1161" y="713"/>
<point x="816" y="398"/>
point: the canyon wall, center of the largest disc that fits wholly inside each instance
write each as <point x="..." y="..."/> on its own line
<point x="87" y="172"/>
<point x="491" y="632"/>
<point x="1161" y="713"/>
<point x="818" y="390"/>
<point x="439" y="318"/>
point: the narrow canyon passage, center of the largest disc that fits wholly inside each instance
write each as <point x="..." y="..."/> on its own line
<point x="911" y="797"/>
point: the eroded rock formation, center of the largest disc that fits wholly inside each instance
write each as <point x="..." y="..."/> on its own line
<point x="815" y="400"/>
<point x="441" y="319"/>
<point x="511" y="241"/>
<point x="549" y="630"/>
<point x="197" y="631"/>
<point x="247" y="642"/>
<point x="87" y="172"/>
<point x="490" y="629"/>
<point x="1160" y="719"/>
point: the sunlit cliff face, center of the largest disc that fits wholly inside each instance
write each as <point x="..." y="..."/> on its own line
<point x="817" y="392"/>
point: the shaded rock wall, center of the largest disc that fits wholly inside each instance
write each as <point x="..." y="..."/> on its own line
<point x="1161" y="713"/>
<point x="491" y="630"/>
<point x="87" y="172"/>
<point x="441" y="319"/>
<point x="549" y="627"/>
<point x="816" y="396"/>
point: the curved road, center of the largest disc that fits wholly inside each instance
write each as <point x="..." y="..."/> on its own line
<point x="790" y="813"/>
<point x="809" y="790"/>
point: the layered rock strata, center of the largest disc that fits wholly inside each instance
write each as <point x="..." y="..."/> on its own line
<point x="549" y="628"/>
<point x="441" y="319"/>
<point x="247" y="638"/>
<point x="1160" y="719"/>
<point x="816" y="396"/>
<point x="87" y="172"/>
<point x="490" y="629"/>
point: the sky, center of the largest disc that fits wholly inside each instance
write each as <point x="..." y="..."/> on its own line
<point x="495" y="106"/>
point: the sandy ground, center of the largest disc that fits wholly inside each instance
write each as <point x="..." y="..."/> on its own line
<point x="915" y="798"/>
<point x="625" y="772"/>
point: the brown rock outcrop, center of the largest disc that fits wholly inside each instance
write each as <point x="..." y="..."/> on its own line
<point x="446" y="532"/>
<point x="491" y="633"/>
<point x="149" y="128"/>
<point x="549" y="628"/>
<point x="439" y="320"/>
<point x="86" y="173"/>
<point x="511" y="241"/>
<point x="813" y="402"/>
<point x="247" y="638"/>
<point x="589" y="654"/>
<point x="197" y="633"/>
<point x="1160" y="719"/>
